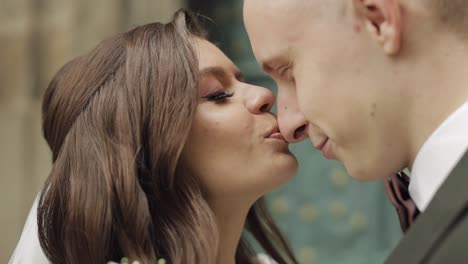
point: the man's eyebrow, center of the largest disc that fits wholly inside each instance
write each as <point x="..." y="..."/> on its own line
<point x="220" y="72"/>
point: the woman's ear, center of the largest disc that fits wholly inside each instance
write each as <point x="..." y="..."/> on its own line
<point x="382" y="19"/>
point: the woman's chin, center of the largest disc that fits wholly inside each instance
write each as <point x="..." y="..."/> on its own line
<point x="281" y="173"/>
<point x="286" y="165"/>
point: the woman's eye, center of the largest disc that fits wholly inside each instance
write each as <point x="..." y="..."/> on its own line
<point x="218" y="96"/>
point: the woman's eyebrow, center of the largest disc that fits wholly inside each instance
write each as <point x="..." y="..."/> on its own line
<point x="220" y="72"/>
<point x="215" y="70"/>
<point x="239" y="76"/>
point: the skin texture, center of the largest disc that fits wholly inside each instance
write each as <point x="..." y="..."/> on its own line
<point x="360" y="76"/>
<point x="228" y="149"/>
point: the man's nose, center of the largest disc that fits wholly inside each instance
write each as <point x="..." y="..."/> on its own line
<point x="292" y="123"/>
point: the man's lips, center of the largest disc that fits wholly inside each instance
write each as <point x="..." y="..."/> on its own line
<point x="326" y="149"/>
<point x="321" y="144"/>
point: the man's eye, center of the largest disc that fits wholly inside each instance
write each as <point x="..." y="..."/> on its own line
<point x="290" y="76"/>
<point x="218" y="96"/>
<point x="286" y="73"/>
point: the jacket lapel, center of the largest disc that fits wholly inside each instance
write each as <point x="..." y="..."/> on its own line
<point x="427" y="231"/>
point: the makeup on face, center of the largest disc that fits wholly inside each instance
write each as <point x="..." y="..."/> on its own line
<point x="215" y="81"/>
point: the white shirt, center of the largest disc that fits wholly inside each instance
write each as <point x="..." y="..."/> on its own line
<point x="438" y="157"/>
<point x="29" y="249"/>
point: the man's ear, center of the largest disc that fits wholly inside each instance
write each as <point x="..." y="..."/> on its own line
<point x="382" y="19"/>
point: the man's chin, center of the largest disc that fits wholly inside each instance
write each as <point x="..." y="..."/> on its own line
<point x="363" y="174"/>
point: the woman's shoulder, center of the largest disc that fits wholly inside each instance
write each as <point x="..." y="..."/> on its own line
<point x="264" y="259"/>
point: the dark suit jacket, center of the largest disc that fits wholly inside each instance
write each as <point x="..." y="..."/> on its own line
<point x="440" y="234"/>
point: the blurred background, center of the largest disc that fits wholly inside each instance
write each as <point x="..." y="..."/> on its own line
<point x="327" y="216"/>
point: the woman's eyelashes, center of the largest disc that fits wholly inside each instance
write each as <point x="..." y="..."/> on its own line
<point x="219" y="96"/>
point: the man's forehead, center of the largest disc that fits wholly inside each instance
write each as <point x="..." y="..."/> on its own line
<point x="282" y="18"/>
<point x="286" y="8"/>
<point x="275" y="27"/>
<point x="271" y="35"/>
<point x="271" y="3"/>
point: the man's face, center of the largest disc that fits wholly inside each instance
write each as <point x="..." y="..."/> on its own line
<point x="334" y="75"/>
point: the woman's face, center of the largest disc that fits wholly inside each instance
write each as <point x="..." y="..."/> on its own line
<point x="234" y="148"/>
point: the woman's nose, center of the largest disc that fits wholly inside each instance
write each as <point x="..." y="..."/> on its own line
<point x="259" y="99"/>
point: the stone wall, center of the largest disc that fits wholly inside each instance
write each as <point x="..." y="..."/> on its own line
<point x="36" y="38"/>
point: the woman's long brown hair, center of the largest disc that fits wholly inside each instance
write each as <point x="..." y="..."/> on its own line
<point x="116" y="120"/>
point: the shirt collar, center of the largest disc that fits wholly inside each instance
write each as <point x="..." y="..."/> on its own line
<point x="438" y="156"/>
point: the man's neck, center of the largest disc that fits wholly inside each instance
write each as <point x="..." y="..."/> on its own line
<point x="441" y="89"/>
